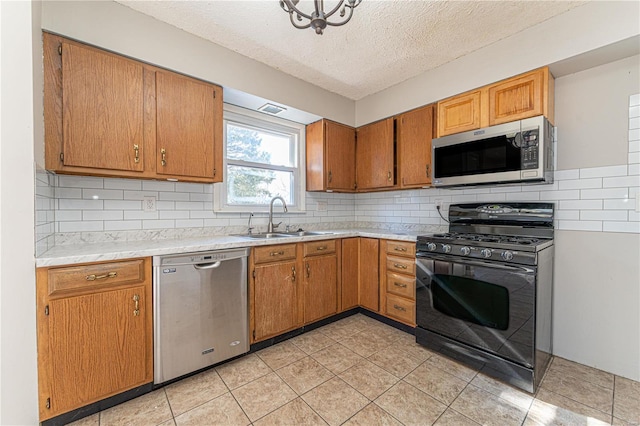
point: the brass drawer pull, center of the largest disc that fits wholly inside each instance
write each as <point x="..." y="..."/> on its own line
<point x="136" y="150"/>
<point x="308" y="270"/>
<point x="164" y="157"/>
<point x="399" y="266"/>
<point x="277" y="253"/>
<point x="94" y="277"/>
<point x="400" y="248"/>
<point x="399" y="308"/>
<point x="321" y="248"/>
<point x="293" y="274"/>
<point x="397" y="284"/>
<point x="136" y="311"/>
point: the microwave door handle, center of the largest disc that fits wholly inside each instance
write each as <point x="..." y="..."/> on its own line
<point x="521" y="269"/>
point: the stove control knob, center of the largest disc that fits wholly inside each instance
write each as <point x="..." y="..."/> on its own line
<point x="465" y="251"/>
<point x="507" y="255"/>
<point x="431" y="246"/>
<point x="486" y="253"/>
<point x="446" y="248"/>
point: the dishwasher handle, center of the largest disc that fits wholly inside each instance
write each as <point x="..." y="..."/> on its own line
<point x="208" y="265"/>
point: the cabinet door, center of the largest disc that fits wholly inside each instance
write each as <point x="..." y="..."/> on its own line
<point x="103" y="110"/>
<point x="459" y="113"/>
<point x="516" y="98"/>
<point x="414" y="132"/>
<point x="341" y="157"/>
<point x="97" y="347"/>
<point x="275" y="299"/>
<point x="350" y="272"/>
<point x="320" y="287"/>
<point x="189" y="120"/>
<point x="369" y="291"/>
<point x="374" y="155"/>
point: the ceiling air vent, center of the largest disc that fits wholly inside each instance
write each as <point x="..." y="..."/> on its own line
<point x="271" y="109"/>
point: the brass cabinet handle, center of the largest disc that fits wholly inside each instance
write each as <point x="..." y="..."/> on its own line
<point x="397" y="284"/>
<point x="136" y="310"/>
<point x="136" y="150"/>
<point x="293" y="274"/>
<point x="428" y="174"/>
<point x="94" y="277"/>
<point x="397" y="265"/>
<point x="400" y="248"/>
<point x="164" y="157"/>
<point x="321" y="248"/>
<point x="308" y="270"/>
<point x="389" y="176"/>
<point x="276" y="253"/>
<point x="399" y="308"/>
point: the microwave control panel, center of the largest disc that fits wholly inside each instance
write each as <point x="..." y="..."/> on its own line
<point x="529" y="150"/>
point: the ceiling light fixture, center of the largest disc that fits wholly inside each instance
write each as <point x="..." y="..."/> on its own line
<point x="318" y="19"/>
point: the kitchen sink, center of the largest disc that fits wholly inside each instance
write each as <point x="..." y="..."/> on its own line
<point x="265" y="236"/>
<point x="306" y="233"/>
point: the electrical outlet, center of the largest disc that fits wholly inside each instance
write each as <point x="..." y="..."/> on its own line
<point x="438" y="203"/>
<point x="149" y="204"/>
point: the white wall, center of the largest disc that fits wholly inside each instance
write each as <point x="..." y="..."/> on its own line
<point x="115" y="27"/>
<point x="18" y="371"/>
<point x="579" y="30"/>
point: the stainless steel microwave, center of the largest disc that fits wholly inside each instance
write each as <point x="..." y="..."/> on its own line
<point x="516" y="152"/>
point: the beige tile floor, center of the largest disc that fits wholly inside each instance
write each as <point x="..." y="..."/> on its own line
<point x="358" y="371"/>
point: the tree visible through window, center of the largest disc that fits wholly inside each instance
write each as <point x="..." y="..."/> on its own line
<point x="262" y="158"/>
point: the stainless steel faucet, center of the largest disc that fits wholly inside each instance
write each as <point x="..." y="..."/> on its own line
<point x="249" y="224"/>
<point x="271" y="226"/>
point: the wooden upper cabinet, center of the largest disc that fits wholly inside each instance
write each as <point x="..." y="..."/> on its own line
<point x="188" y="112"/>
<point x="102" y="109"/>
<point x="414" y="130"/>
<point x="375" y="153"/>
<point x="108" y="115"/>
<point x="459" y="113"/>
<point x="331" y="157"/>
<point x="524" y="96"/>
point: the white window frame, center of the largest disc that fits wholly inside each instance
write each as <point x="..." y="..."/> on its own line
<point x="249" y="118"/>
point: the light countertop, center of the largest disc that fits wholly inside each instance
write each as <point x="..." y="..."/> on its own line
<point x="97" y="252"/>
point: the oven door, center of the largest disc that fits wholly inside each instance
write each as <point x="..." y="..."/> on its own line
<point x="487" y="305"/>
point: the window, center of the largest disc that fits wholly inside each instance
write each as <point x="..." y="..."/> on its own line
<point x="262" y="157"/>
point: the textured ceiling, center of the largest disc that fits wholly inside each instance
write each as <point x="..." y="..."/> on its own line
<point x="385" y="43"/>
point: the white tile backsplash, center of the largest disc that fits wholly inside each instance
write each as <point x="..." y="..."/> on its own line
<point x="70" y="208"/>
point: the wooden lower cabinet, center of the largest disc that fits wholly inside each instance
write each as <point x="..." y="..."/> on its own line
<point x="94" y="332"/>
<point x="350" y="273"/>
<point x="274" y="291"/>
<point x="369" y="280"/>
<point x="320" y="280"/>
<point x="398" y="280"/>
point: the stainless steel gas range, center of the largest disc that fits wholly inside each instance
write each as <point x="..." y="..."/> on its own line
<point x="484" y="289"/>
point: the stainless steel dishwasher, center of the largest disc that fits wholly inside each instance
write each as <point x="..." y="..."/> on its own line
<point x="200" y="310"/>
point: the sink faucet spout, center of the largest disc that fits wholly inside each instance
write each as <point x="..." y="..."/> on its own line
<point x="271" y="226"/>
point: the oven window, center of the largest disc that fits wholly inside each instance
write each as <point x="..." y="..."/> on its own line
<point x="471" y="300"/>
<point x="491" y="155"/>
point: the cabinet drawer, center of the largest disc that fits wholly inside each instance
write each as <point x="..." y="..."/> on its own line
<point x="66" y="280"/>
<point x="401" y="285"/>
<point x="401" y="265"/>
<point x="401" y="248"/>
<point x="319" y="247"/>
<point x="274" y="253"/>
<point x="401" y="309"/>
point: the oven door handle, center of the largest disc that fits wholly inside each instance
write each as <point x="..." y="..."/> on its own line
<point x="451" y="259"/>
